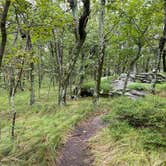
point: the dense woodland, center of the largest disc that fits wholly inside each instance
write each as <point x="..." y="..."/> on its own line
<point x="93" y="70"/>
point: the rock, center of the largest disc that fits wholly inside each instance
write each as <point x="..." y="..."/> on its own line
<point x="124" y="75"/>
<point x="138" y="93"/>
<point x="115" y="93"/>
<point x="148" y="77"/>
<point x="134" y="97"/>
<point x="86" y="92"/>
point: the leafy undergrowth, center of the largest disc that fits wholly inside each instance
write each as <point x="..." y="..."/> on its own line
<point x="146" y="87"/>
<point x="139" y="86"/>
<point x="135" y="134"/>
<point x="105" y="84"/>
<point x="40" y="129"/>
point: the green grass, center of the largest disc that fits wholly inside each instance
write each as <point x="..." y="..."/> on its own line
<point x="39" y="130"/>
<point x="146" y="86"/>
<point x="105" y="84"/>
<point x="135" y="134"/>
<point x="43" y="127"/>
<point x="161" y="87"/>
<point x="139" y="86"/>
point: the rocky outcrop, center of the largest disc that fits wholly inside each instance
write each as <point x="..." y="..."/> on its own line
<point x="147" y="77"/>
<point x="119" y="84"/>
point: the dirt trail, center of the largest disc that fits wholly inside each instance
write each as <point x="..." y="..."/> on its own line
<point x="75" y="151"/>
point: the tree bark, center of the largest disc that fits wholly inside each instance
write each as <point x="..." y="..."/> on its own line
<point x="159" y="53"/>
<point x="80" y="36"/>
<point x="147" y="65"/>
<point x="82" y="73"/>
<point x="100" y="59"/>
<point x="131" y="67"/>
<point x="19" y="77"/>
<point x="32" y="84"/>
<point x="62" y="87"/>
<point x="40" y="71"/>
<point x="3" y="30"/>
<point x="164" y="60"/>
<point x="62" y="94"/>
<point x="11" y="99"/>
<point x="32" y="81"/>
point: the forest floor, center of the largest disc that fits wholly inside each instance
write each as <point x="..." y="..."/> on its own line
<point x="45" y="132"/>
<point x="76" y="151"/>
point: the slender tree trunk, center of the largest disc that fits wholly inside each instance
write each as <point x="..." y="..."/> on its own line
<point x="59" y="57"/>
<point x="80" y="36"/>
<point x="39" y="79"/>
<point x="100" y="59"/>
<point x="62" y="94"/>
<point x="19" y="78"/>
<point x="82" y="73"/>
<point x="32" y="67"/>
<point x="131" y="67"/>
<point x="32" y="84"/>
<point x="11" y="97"/>
<point x="147" y="65"/>
<point x="3" y="29"/>
<point x="155" y="71"/>
<point x="40" y="72"/>
<point x="11" y="81"/>
<point x="13" y="90"/>
<point x="14" y="114"/>
<point x="164" y="61"/>
<point x="159" y="53"/>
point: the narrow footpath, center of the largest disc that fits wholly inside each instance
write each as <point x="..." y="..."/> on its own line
<point x="76" y="151"/>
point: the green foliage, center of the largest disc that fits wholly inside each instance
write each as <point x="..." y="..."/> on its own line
<point x="146" y="116"/>
<point x="125" y="151"/>
<point x="105" y="84"/>
<point x="161" y="87"/>
<point x="135" y="134"/>
<point x="139" y="86"/>
<point x="146" y="87"/>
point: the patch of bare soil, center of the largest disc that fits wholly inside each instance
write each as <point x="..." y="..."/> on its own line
<point x="76" y="151"/>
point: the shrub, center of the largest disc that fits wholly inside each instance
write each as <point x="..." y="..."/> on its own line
<point x="161" y="87"/>
<point x="139" y="86"/>
<point x="147" y="116"/>
<point x="105" y="84"/>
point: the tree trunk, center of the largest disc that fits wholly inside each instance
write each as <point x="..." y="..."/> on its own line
<point x="40" y="71"/>
<point x="164" y="61"/>
<point x="131" y="67"/>
<point x="11" y="97"/>
<point x="155" y="71"/>
<point x="32" y="81"/>
<point x="3" y="29"/>
<point x="82" y="73"/>
<point x="59" y="59"/>
<point x="14" y="115"/>
<point x="147" y="65"/>
<point x="100" y="59"/>
<point x="62" y="94"/>
<point x="32" y="84"/>
<point x="11" y="81"/>
<point x="159" y="53"/>
<point x="18" y="83"/>
<point x="80" y="36"/>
